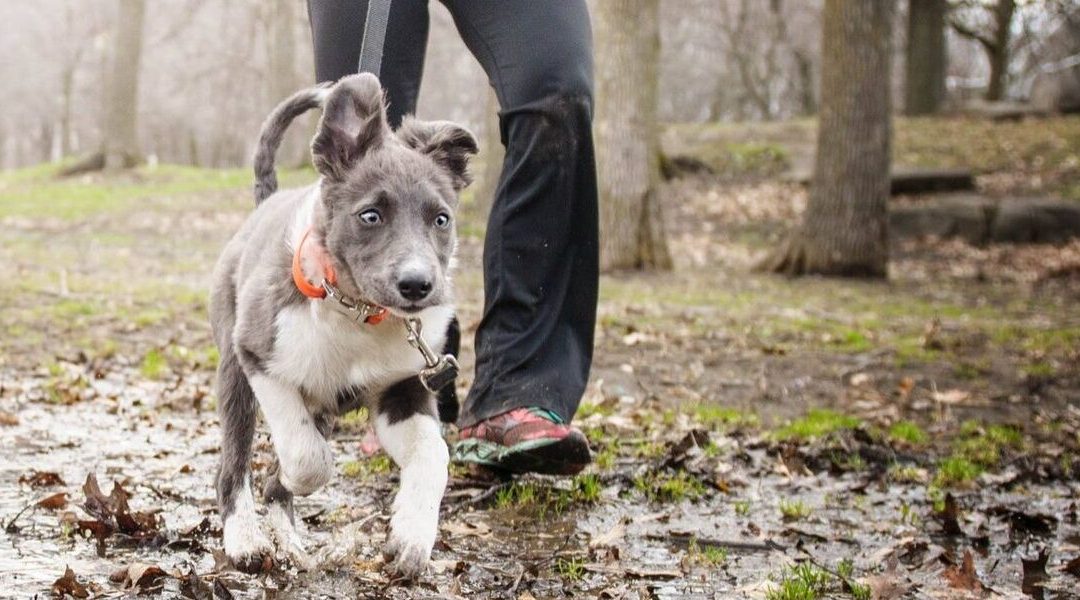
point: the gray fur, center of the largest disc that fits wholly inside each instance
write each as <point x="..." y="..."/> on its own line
<point x="273" y="130"/>
<point x="411" y="177"/>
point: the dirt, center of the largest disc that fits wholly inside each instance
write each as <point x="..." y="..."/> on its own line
<point x="710" y="481"/>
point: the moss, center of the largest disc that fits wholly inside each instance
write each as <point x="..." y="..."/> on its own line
<point x="817" y="423"/>
<point x="956" y="471"/>
<point x="906" y="431"/>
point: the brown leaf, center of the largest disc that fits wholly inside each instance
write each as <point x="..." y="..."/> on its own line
<point x="888" y="585"/>
<point x="963" y="577"/>
<point x="39" y="479"/>
<point x="139" y="575"/>
<point x="69" y="586"/>
<point x="1034" y="574"/>
<point x="1073" y="567"/>
<point x="8" y="419"/>
<point x="54" y="502"/>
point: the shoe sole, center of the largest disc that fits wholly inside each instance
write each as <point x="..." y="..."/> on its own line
<point x="567" y="456"/>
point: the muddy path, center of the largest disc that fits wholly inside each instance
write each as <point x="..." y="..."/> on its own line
<point x="753" y="437"/>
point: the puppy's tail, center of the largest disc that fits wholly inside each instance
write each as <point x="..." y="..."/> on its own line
<point x="273" y="129"/>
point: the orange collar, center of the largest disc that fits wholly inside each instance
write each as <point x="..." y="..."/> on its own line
<point x="372" y="314"/>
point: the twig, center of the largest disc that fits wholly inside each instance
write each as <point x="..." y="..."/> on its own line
<point x="491" y="491"/>
<point x="683" y="540"/>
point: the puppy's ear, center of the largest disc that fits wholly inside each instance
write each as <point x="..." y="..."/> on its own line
<point x="353" y="123"/>
<point x="449" y="145"/>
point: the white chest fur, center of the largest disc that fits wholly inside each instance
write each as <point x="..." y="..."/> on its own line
<point x="321" y="351"/>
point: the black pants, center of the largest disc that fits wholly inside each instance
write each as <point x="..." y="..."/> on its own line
<point x="534" y="343"/>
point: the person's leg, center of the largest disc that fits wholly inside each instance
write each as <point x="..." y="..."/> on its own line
<point x="337" y="30"/>
<point x="534" y="343"/>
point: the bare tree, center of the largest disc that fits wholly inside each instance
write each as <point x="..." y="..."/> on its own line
<point x="844" y="228"/>
<point x="628" y="155"/>
<point x="926" y="58"/>
<point x="994" y="36"/>
<point x="120" y="143"/>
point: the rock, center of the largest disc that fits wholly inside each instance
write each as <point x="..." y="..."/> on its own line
<point x="911" y="180"/>
<point x="980" y="220"/>
<point x="966" y="216"/>
<point x="1036" y="221"/>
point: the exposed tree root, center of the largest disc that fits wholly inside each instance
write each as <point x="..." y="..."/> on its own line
<point x="798" y="255"/>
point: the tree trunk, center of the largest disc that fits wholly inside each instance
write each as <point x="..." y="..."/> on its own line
<point x="284" y="78"/>
<point x="926" y="60"/>
<point x="628" y="143"/>
<point x="844" y="229"/>
<point x="121" y="144"/>
<point x="998" y="52"/>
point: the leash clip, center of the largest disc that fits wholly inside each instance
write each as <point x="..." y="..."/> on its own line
<point x="440" y="370"/>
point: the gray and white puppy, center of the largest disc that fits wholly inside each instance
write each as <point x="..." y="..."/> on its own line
<point x="382" y="213"/>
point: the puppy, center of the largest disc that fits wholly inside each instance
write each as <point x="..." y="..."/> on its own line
<point x="375" y="233"/>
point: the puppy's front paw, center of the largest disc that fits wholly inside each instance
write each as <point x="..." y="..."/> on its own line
<point x="246" y="546"/>
<point x="408" y="548"/>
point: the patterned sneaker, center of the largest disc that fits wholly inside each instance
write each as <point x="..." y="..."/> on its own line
<point x="524" y="440"/>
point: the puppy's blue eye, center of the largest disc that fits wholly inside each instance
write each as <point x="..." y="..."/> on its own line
<point x="371" y="217"/>
<point x="442" y="221"/>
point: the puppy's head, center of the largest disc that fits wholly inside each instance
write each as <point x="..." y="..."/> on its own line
<point x="388" y="199"/>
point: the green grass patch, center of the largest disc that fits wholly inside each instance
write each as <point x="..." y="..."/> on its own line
<point x="153" y="364"/>
<point x="800" y="582"/>
<point x="908" y="432"/>
<point x="794" y="510"/>
<point x="668" y="487"/>
<point x="39" y="193"/>
<point x="956" y="471"/>
<point x="817" y="423"/>
<point x="571" y="569"/>
<point x="704" y="554"/>
<point x="717" y="417"/>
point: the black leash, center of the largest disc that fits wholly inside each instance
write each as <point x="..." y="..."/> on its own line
<point x="371" y="49"/>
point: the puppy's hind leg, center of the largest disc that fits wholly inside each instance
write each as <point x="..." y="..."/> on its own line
<point x="245" y="544"/>
<point x="407" y="425"/>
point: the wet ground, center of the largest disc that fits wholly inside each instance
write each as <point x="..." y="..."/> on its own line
<point x="754" y="437"/>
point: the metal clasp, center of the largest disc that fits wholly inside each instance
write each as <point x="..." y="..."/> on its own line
<point x="441" y="370"/>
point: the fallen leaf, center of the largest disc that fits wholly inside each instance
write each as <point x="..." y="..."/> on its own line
<point x="611" y="537"/>
<point x="138" y="575"/>
<point x="54" y="502"/>
<point x="466" y="529"/>
<point x="8" y="419"/>
<point x="889" y="584"/>
<point x="192" y="586"/>
<point x="1073" y="567"/>
<point x="69" y="586"/>
<point x="963" y="577"/>
<point x="39" y="479"/>
<point x="1034" y="574"/>
<point x="221" y="592"/>
<point x="951" y="396"/>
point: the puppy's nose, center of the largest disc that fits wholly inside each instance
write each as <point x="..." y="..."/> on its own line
<point x="414" y="288"/>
